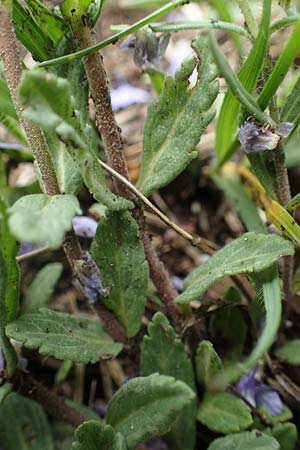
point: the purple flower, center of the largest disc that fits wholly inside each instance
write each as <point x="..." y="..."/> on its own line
<point x="84" y="226"/>
<point x="260" y="395"/>
<point x="255" y="138"/>
<point x="177" y="283"/>
<point x="88" y="278"/>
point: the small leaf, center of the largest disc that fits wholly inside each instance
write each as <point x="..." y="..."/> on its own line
<point x="164" y="353"/>
<point x="93" y="435"/>
<point x="248" y="440"/>
<point x="42" y="287"/>
<point x="291" y="110"/>
<point x="63" y="336"/>
<point x="286" y="434"/>
<point x="32" y="216"/>
<point x="175" y="124"/>
<point x="252" y="252"/>
<point x="290" y="352"/>
<point x="208" y="363"/>
<point x="224" y="413"/>
<point x="63" y="435"/>
<point x="6" y="104"/>
<point x="24" y="425"/>
<point x="147" y="406"/>
<point x="120" y="256"/>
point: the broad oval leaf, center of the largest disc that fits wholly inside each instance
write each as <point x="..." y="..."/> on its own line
<point x="208" y="363"/>
<point x="24" y="425"/>
<point x="176" y="122"/>
<point x="223" y="413"/>
<point x="92" y="435"/>
<point x="147" y="406"/>
<point x="290" y="352"/>
<point x="248" y="440"/>
<point x="286" y="434"/>
<point x="32" y="216"/>
<point x="252" y="252"/>
<point x="120" y="256"/>
<point x="164" y="353"/>
<point x="63" y="336"/>
<point x="42" y="287"/>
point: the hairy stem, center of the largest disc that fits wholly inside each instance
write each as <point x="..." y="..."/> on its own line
<point x="26" y="385"/>
<point x="111" y="136"/>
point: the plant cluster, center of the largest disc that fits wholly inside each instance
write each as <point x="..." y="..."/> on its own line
<point x="189" y="379"/>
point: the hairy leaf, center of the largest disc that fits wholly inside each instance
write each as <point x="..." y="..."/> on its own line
<point x="24" y="425"/>
<point x="248" y="440"/>
<point x="147" y="406"/>
<point x="164" y="353"/>
<point x="224" y="413"/>
<point x="63" y="336"/>
<point x="120" y="256"/>
<point x="93" y="435"/>
<point x="252" y="252"/>
<point x="176" y="122"/>
<point x="248" y="75"/>
<point x="286" y="434"/>
<point x="32" y="216"/>
<point x="42" y="287"/>
<point x="208" y="363"/>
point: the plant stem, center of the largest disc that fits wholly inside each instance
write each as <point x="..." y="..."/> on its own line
<point x="26" y="385"/>
<point x="93" y="48"/>
<point x="9" y="53"/>
<point x="111" y="136"/>
<point x="13" y="72"/>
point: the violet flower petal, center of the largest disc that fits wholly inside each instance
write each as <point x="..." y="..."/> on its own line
<point x="256" y="139"/>
<point x="84" y="226"/>
<point x="247" y="386"/>
<point x="266" y="397"/>
<point x="126" y="95"/>
<point x="177" y="283"/>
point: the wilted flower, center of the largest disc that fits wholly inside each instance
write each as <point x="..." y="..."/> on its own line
<point x="148" y="47"/>
<point x="88" y="277"/>
<point x="256" y="138"/>
<point x="260" y="395"/>
<point x="84" y="226"/>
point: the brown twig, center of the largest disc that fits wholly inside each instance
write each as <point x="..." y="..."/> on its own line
<point x="26" y="385"/>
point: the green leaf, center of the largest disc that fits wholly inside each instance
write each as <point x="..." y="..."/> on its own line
<point x="63" y="336"/>
<point x="252" y="252"/>
<point x="224" y="413"/>
<point x="248" y="440"/>
<point x="208" y="363"/>
<point x="93" y="435"/>
<point x="147" y="406"/>
<point x="42" y="287"/>
<point x="30" y="34"/>
<point x="120" y="255"/>
<point x="63" y="435"/>
<point x="286" y="434"/>
<point x="242" y="201"/>
<point x="5" y="389"/>
<point x="8" y="350"/>
<point x="268" y="282"/>
<point x="24" y="425"/>
<point x="175" y="124"/>
<point x="291" y="110"/>
<point x="74" y="11"/>
<point x="6" y="104"/>
<point x="164" y="353"/>
<point x="285" y="415"/>
<point x="9" y="249"/>
<point x="227" y="123"/>
<point x="235" y="84"/>
<point x="284" y="62"/>
<point x="47" y="101"/>
<point x="32" y="216"/>
<point x="52" y="25"/>
<point x="290" y="352"/>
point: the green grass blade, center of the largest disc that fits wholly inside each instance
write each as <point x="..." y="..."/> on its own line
<point x="248" y="74"/>
<point x="235" y="85"/>
<point x="225" y="14"/>
<point x="284" y="62"/>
